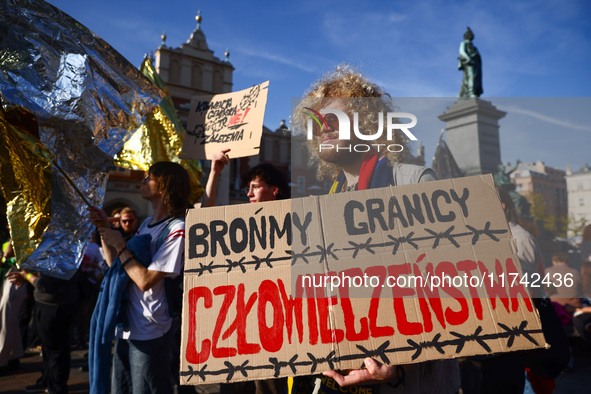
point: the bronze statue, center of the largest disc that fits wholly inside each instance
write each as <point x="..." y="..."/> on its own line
<point x="471" y="64"/>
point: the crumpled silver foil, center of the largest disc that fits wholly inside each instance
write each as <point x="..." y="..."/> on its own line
<point x="88" y="100"/>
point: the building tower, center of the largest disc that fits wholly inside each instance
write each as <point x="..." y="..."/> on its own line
<point x="192" y="69"/>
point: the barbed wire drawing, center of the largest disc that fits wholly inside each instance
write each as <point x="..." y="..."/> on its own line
<point x="314" y="363"/>
<point x="368" y="246"/>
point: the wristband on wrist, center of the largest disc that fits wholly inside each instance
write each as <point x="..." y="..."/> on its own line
<point x="28" y="277"/>
<point x="121" y="250"/>
<point x="127" y="259"/>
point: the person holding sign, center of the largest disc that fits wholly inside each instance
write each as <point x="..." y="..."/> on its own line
<point x="352" y="167"/>
<point x="218" y="162"/>
<point x="265" y="183"/>
<point x="142" y="360"/>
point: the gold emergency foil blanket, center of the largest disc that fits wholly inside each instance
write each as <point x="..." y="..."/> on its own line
<point x="160" y="138"/>
<point x="88" y="100"/>
<point x="25" y="178"/>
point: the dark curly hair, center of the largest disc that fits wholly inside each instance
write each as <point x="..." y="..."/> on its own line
<point x="271" y="176"/>
<point x="174" y="183"/>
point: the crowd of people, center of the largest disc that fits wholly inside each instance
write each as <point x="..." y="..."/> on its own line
<point x="136" y="268"/>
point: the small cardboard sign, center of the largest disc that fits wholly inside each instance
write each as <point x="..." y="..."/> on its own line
<point x="226" y="121"/>
<point x="402" y="274"/>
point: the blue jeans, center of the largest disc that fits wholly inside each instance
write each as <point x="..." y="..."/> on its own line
<point x="142" y="366"/>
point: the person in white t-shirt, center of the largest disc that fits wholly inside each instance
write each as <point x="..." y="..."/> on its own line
<point x="141" y="359"/>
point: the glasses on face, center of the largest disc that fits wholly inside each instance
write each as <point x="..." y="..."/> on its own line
<point x="332" y="121"/>
<point x="128" y="221"/>
<point x="147" y="178"/>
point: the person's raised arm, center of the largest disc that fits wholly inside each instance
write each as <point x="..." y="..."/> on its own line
<point x="116" y="245"/>
<point x="99" y="218"/>
<point x="218" y="162"/>
<point x="18" y="278"/>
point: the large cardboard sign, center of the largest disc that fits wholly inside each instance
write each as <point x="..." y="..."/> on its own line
<point x="226" y="121"/>
<point x="402" y="274"/>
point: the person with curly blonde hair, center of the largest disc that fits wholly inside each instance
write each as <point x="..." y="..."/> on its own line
<point x="375" y="165"/>
<point x="358" y="95"/>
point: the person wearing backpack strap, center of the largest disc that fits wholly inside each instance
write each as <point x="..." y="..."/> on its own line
<point x="142" y="359"/>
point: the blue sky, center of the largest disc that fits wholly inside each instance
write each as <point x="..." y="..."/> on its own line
<point x="529" y="49"/>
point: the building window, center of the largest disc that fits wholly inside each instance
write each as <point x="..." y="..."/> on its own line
<point x="218" y="82"/>
<point x="196" y="77"/>
<point x="581" y="202"/>
<point x="122" y="171"/>
<point x="175" y="71"/>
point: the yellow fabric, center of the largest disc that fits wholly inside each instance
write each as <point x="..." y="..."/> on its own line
<point x="333" y="188"/>
<point x="25" y="179"/>
<point x="160" y="138"/>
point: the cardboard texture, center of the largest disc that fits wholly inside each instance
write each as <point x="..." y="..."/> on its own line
<point x="255" y="303"/>
<point x="226" y="121"/>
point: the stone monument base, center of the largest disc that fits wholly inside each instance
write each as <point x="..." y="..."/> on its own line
<point x="473" y="135"/>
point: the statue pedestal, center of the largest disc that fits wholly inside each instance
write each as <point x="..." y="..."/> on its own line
<point x="473" y="135"/>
